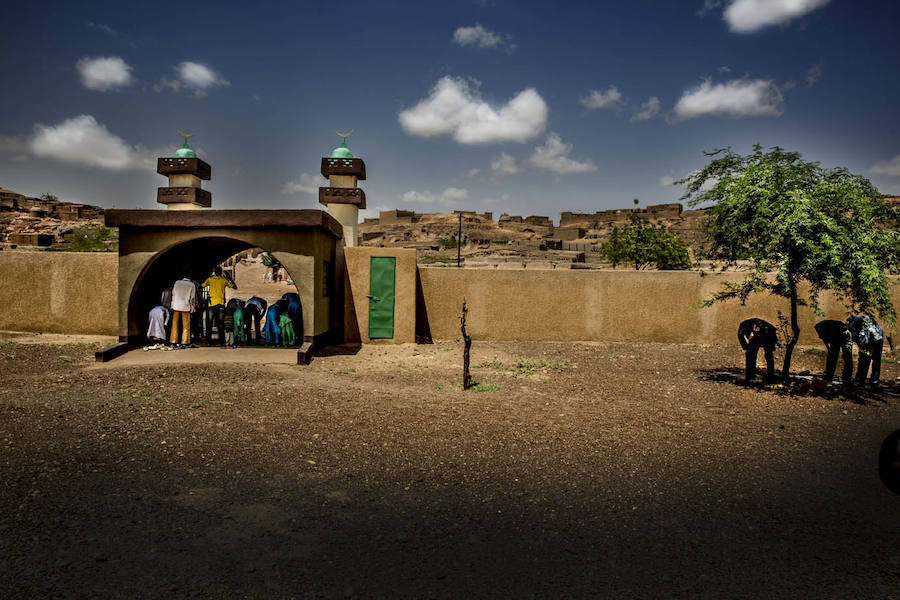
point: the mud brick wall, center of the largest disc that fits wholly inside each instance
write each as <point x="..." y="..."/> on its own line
<point x="567" y="305"/>
<point x="59" y="292"/>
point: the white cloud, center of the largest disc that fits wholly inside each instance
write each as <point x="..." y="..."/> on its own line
<point x="552" y="156"/>
<point x="104" y="29"/>
<point x="504" y="165"/>
<point x="305" y="184"/>
<point x="611" y="98"/>
<point x="746" y="16"/>
<point x="708" y="5"/>
<point x="449" y="197"/>
<point x="478" y="36"/>
<point x="104" y="73"/>
<point x="193" y="76"/>
<point x="649" y="109"/>
<point x="735" y="98"/>
<point x="666" y="180"/>
<point x="473" y="173"/>
<point x="813" y="75"/>
<point x="455" y="107"/>
<point x="887" y="167"/>
<point x="83" y="141"/>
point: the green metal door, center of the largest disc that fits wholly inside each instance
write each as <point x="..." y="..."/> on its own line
<point x="382" y="270"/>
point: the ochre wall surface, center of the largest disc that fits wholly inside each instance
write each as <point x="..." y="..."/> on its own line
<point x="69" y="292"/>
<point x="59" y="292"/>
<point x="356" y="324"/>
<point x="651" y="306"/>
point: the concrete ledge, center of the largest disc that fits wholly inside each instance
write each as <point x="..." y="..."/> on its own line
<point x="222" y="219"/>
<point x="304" y="354"/>
<point x="111" y="352"/>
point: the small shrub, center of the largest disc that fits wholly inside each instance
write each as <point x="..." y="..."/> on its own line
<point x="484" y="387"/>
<point x="527" y="366"/>
<point x="490" y="364"/>
<point x="430" y="259"/>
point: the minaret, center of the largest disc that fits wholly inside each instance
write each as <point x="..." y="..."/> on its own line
<point x="184" y="171"/>
<point x="343" y="198"/>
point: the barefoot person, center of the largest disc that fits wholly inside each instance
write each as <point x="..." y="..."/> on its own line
<point x="184" y="296"/>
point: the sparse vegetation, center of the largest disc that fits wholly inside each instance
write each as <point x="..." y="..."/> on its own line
<point x="430" y="259"/>
<point x="527" y="366"/>
<point x="494" y="363"/>
<point x="447" y="243"/>
<point x="484" y="387"/>
<point x="91" y="238"/>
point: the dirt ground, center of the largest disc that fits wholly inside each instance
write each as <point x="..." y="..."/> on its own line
<point x="248" y="278"/>
<point x="577" y="470"/>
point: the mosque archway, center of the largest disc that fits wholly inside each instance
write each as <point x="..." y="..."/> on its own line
<point x="156" y="246"/>
<point x="196" y="259"/>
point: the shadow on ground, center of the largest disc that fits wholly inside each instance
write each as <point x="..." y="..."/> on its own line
<point x="802" y="385"/>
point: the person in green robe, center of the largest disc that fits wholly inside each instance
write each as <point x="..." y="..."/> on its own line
<point x="288" y="336"/>
<point x="240" y="328"/>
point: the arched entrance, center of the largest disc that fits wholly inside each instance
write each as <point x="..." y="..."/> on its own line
<point x="196" y="259"/>
<point x="155" y="246"/>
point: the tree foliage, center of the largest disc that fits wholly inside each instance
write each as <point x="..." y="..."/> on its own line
<point x="804" y="223"/>
<point x="644" y="244"/>
<point x="270" y="261"/>
<point x="91" y="238"/>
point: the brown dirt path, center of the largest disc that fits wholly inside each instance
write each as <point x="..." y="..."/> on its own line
<point x="587" y="470"/>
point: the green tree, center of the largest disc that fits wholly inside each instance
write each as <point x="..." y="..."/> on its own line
<point x="270" y="261"/>
<point x="48" y="197"/>
<point x="91" y="238"/>
<point x="800" y="221"/>
<point x="644" y="244"/>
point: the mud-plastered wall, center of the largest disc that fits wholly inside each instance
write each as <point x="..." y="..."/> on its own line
<point x="59" y="292"/>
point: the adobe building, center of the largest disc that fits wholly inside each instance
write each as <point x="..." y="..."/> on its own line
<point x="157" y="247"/>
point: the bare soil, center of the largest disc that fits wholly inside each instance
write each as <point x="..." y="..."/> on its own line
<point x="619" y="470"/>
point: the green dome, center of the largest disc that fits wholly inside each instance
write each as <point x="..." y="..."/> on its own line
<point x="342" y="151"/>
<point x="185" y="152"/>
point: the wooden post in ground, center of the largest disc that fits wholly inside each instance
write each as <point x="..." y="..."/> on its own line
<point x="467" y="346"/>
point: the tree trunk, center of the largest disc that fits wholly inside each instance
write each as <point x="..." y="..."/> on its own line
<point x="467" y="346"/>
<point x="795" y="334"/>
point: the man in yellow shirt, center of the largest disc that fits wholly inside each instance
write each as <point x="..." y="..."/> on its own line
<point x="216" y="311"/>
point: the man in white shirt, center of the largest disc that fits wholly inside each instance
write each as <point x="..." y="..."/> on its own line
<point x="184" y="297"/>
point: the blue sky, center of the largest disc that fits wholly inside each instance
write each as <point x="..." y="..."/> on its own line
<point x="518" y="107"/>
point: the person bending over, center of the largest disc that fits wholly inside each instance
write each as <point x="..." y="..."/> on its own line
<point x="837" y="340"/>
<point x="273" y="331"/>
<point x="159" y="318"/>
<point x="254" y="310"/>
<point x="240" y="327"/>
<point x="754" y="334"/>
<point x="286" y="324"/>
<point x="869" y="338"/>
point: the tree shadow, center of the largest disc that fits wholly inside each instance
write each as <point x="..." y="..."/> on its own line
<point x="805" y="384"/>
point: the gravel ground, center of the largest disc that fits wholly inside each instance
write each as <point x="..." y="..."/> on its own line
<point x="601" y="470"/>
